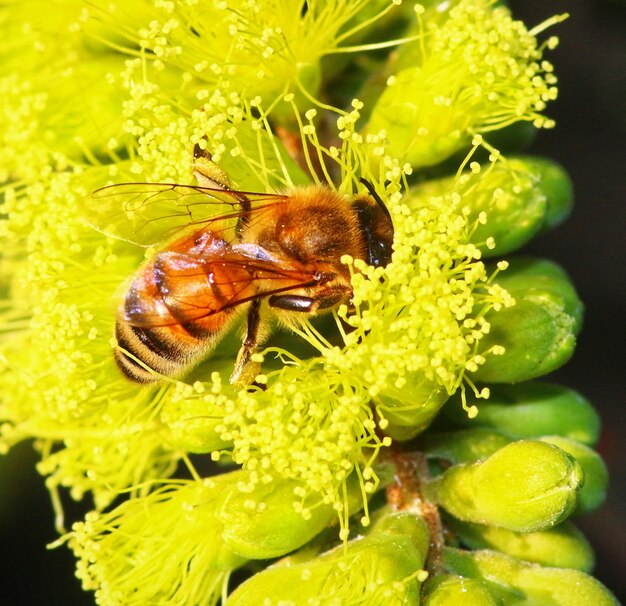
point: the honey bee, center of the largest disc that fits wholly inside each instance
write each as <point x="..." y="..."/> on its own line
<point x="269" y="255"/>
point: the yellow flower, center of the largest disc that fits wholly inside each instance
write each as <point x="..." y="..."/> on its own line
<point x="310" y="438"/>
<point x="477" y="71"/>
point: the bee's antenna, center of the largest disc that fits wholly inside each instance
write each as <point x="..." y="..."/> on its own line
<point x="374" y="194"/>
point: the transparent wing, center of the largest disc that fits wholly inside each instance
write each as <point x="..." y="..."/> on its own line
<point x="177" y="288"/>
<point x="149" y="213"/>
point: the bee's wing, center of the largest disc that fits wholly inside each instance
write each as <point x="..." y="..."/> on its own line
<point x="177" y="288"/>
<point x="149" y="213"/>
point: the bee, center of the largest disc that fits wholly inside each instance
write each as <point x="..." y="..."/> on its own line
<point x="268" y="255"/>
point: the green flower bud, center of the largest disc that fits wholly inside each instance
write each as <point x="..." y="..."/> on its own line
<point x="194" y="415"/>
<point x="539" y="332"/>
<point x="409" y="410"/>
<point x="593" y="492"/>
<point x="520" y="198"/>
<point x="269" y="520"/>
<point x="196" y="433"/>
<point x="563" y="546"/>
<point x="450" y="590"/>
<point x="464" y="446"/>
<point x="390" y="522"/>
<point x="557" y="188"/>
<point x="510" y="201"/>
<point x="383" y="567"/>
<point x="398" y="113"/>
<point x="524" y="583"/>
<point x="532" y="410"/>
<point x="524" y="486"/>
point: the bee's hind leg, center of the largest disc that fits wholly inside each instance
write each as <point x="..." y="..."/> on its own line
<point x="210" y="175"/>
<point x="207" y="173"/>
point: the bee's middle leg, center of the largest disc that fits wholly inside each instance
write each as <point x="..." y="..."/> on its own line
<point x="246" y="370"/>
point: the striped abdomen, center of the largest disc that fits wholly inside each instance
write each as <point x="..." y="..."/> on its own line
<point x="177" y="309"/>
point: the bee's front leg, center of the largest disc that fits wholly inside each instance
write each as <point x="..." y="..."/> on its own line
<point x="293" y="303"/>
<point x="322" y="300"/>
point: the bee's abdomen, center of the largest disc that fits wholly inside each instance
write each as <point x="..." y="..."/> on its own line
<point x="158" y="351"/>
<point x="173" y="314"/>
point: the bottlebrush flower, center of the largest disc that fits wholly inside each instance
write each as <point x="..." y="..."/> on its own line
<point x="194" y="477"/>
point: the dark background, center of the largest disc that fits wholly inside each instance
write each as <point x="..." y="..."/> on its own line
<point x="589" y="142"/>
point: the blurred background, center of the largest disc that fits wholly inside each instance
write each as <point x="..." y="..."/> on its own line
<point x="589" y="141"/>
